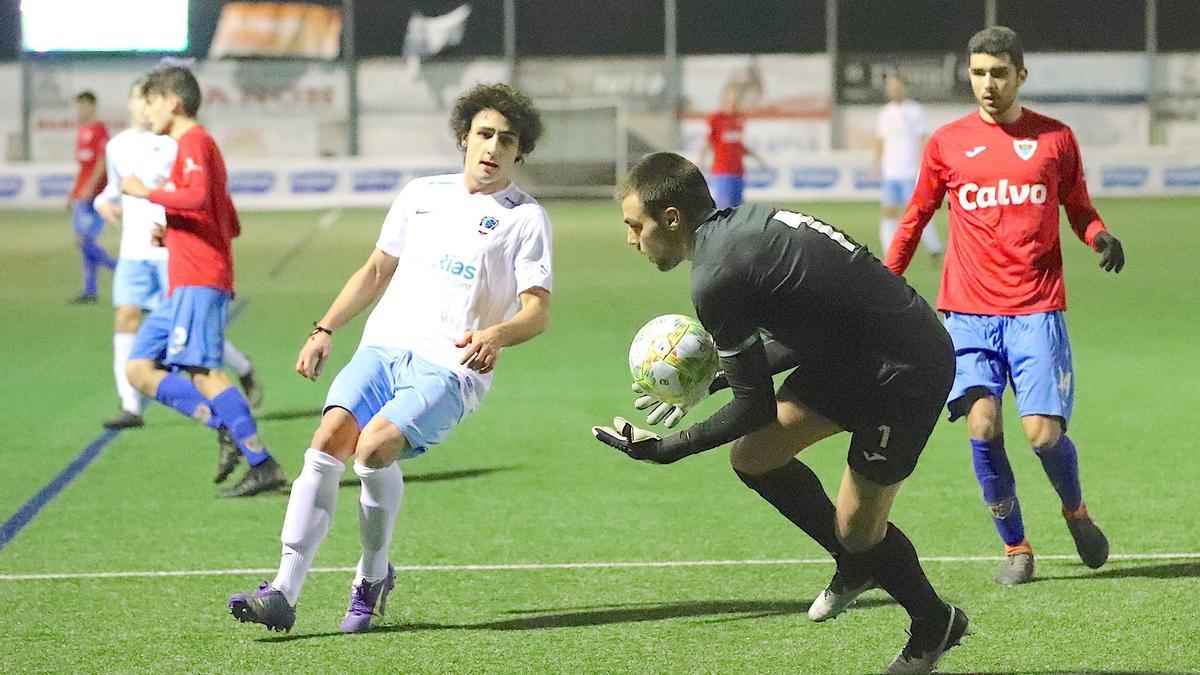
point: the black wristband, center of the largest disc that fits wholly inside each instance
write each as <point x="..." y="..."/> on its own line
<point x="318" y="328"/>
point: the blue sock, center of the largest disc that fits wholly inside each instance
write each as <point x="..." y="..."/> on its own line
<point x="234" y="412"/>
<point x="86" y="248"/>
<point x="179" y="393"/>
<point x="98" y="254"/>
<point x="995" y="476"/>
<point x="1062" y="468"/>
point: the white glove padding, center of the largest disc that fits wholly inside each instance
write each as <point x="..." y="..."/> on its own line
<point x="666" y="413"/>
<point x="634" y="442"/>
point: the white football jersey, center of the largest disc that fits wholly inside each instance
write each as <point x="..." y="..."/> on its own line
<point x="463" y="261"/>
<point x="149" y="156"/>
<point x="900" y="127"/>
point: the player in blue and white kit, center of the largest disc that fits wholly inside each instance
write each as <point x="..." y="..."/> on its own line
<point x="140" y="279"/>
<point x="900" y="133"/>
<point x="463" y="266"/>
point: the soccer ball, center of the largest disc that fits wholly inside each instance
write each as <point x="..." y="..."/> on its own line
<point x="673" y="359"/>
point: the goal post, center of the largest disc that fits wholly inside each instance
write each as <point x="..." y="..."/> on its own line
<point x="584" y="150"/>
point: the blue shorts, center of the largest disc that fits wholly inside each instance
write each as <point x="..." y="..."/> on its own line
<point x="140" y="282"/>
<point x="727" y="190"/>
<point x="897" y="192"/>
<point x="85" y="220"/>
<point x="186" y="331"/>
<point x="424" y="400"/>
<point x="1031" y="351"/>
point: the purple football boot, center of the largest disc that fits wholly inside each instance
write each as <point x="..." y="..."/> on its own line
<point x="363" y="598"/>
<point x="267" y="606"/>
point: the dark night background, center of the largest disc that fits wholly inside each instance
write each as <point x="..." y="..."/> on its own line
<point x="570" y="28"/>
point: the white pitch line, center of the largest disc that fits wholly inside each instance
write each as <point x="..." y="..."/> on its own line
<point x="553" y="566"/>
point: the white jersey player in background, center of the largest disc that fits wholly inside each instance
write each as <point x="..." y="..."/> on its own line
<point x="463" y="266"/>
<point x="140" y="280"/>
<point x="900" y="134"/>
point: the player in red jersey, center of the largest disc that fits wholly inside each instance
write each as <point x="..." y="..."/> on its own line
<point x="89" y="152"/>
<point x="1008" y="169"/>
<point x="177" y="354"/>
<point x="725" y="135"/>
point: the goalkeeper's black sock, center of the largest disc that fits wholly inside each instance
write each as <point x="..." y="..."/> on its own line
<point x="894" y="565"/>
<point x="797" y="493"/>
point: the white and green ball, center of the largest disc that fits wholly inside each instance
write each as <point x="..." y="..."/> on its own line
<point x="673" y="359"/>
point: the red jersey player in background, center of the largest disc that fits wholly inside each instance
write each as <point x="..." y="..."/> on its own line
<point x="1007" y="170"/>
<point x="725" y="136"/>
<point x="89" y="152"/>
<point x="178" y="351"/>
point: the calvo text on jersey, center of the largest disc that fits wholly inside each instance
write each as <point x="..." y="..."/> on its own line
<point x="972" y="196"/>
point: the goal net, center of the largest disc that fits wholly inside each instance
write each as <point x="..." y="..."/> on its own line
<point x="584" y="149"/>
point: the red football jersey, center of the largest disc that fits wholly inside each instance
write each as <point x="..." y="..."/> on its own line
<point x="201" y="220"/>
<point x="1006" y="183"/>
<point x="89" y="147"/>
<point x="725" y="137"/>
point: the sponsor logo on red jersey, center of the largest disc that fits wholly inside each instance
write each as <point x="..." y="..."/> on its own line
<point x="972" y="196"/>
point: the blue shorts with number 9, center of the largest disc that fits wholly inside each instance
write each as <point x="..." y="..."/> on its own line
<point x="186" y="331"/>
<point x="422" y="399"/>
<point x="1031" y="351"/>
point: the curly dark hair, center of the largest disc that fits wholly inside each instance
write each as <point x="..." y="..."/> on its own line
<point x="523" y="118"/>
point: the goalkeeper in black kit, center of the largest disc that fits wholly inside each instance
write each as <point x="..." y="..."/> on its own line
<point x="867" y="355"/>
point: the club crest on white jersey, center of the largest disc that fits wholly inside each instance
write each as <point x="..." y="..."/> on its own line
<point x="972" y="196"/>
<point x="1025" y="148"/>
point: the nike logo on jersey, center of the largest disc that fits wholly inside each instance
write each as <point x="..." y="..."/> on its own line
<point x="975" y="150"/>
<point x="874" y="456"/>
<point x="972" y="196"/>
<point x="421" y="212"/>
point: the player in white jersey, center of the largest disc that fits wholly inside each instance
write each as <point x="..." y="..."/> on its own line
<point x="140" y="280"/>
<point x="463" y="266"/>
<point x="900" y="134"/>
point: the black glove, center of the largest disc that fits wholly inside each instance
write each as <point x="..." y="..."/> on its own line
<point x="1112" y="255"/>
<point x="637" y="443"/>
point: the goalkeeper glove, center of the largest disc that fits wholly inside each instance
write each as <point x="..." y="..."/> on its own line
<point x="1112" y="255"/>
<point x="666" y="413"/>
<point x="637" y="443"/>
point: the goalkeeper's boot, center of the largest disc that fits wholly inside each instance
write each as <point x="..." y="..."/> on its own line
<point x="228" y="456"/>
<point x="1090" y="542"/>
<point x="364" y="597"/>
<point x="1017" y="567"/>
<point x="836" y="598"/>
<point x="928" y="641"/>
<point x="265" y="477"/>
<point x="267" y="606"/>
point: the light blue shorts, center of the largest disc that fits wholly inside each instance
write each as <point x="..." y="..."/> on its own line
<point x="1031" y="351"/>
<point x="140" y="282"/>
<point x="424" y="400"/>
<point x="897" y="192"/>
<point x="727" y="189"/>
<point x="85" y="220"/>
<point x="188" y="330"/>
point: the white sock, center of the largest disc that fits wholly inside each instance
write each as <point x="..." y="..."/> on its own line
<point x="131" y="399"/>
<point x="887" y="232"/>
<point x="931" y="241"/>
<point x="382" y="492"/>
<point x="309" y="512"/>
<point x="237" y="360"/>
